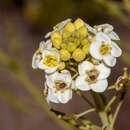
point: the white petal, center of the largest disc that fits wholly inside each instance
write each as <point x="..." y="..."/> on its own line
<point x="42" y="66"/>
<point x="41" y="45"/>
<point x="65" y="77"/>
<point x="35" y="61"/>
<point x="81" y="84"/>
<point x="100" y="36"/>
<point x="104" y="71"/>
<point x="95" y="50"/>
<point x="91" y="29"/>
<point x="50" y="80"/>
<point x="51" y="70"/>
<point x="64" y="97"/>
<point x="109" y="60"/>
<point x="48" y="34"/>
<point x="52" y="96"/>
<point x="49" y="44"/>
<point x="45" y="45"/>
<point x="85" y="66"/>
<point x="116" y="51"/>
<point x="113" y="36"/>
<point x="100" y="86"/>
<point x="73" y="85"/>
<point x="47" y="69"/>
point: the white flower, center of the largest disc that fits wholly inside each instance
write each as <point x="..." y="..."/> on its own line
<point x="105" y="28"/>
<point x="38" y="54"/>
<point x="49" y="61"/>
<point x="45" y="45"/>
<point x="105" y="49"/>
<point x="92" y="77"/>
<point x="59" y="28"/>
<point x="59" y="87"/>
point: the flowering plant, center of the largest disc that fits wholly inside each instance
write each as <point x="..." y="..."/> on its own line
<point x="77" y="57"/>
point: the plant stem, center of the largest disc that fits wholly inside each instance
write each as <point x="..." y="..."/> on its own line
<point x="111" y="101"/>
<point x="116" y="113"/>
<point x="85" y="112"/>
<point x="100" y="110"/>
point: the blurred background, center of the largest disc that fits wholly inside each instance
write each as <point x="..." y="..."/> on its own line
<point x="23" y="24"/>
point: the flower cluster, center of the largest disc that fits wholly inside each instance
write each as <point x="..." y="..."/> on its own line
<point x="76" y="56"/>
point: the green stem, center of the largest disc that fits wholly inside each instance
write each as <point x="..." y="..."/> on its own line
<point x="85" y="112"/>
<point x="116" y="113"/>
<point x="100" y="110"/>
<point x="111" y="87"/>
<point x="75" y="75"/>
<point x="111" y="101"/>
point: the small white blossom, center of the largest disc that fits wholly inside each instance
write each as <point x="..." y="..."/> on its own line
<point x="105" y="28"/>
<point x="59" y="87"/>
<point x="59" y="28"/>
<point x="45" y="45"/>
<point x="38" y="54"/>
<point x="105" y="49"/>
<point x="49" y="61"/>
<point x="92" y="77"/>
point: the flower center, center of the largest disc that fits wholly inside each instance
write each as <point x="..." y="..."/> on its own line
<point x="60" y="85"/>
<point x="50" y="60"/>
<point x="105" y="49"/>
<point x="92" y="76"/>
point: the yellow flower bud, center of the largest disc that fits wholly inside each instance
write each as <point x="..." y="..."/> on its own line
<point x="78" y="55"/>
<point x="71" y="47"/>
<point x="61" y="66"/>
<point x="78" y="23"/>
<point x="66" y="34"/>
<point x="77" y="43"/>
<point x="57" y="26"/>
<point x="85" y="49"/>
<point x="64" y="55"/>
<point x="84" y="42"/>
<point x="56" y="39"/>
<point x="70" y="27"/>
<point x="83" y="31"/>
<point x="64" y="46"/>
<point x="76" y="34"/>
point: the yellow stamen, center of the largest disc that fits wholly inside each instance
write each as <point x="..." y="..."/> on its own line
<point x="95" y="27"/>
<point x="105" y="49"/>
<point x="50" y="60"/>
<point x="38" y="51"/>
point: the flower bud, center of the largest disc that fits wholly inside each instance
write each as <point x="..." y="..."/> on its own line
<point x="70" y="27"/>
<point x="57" y="26"/>
<point x="71" y="47"/>
<point x="64" y="55"/>
<point x="85" y="49"/>
<point x="78" y="55"/>
<point x="84" y="42"/>
<point x="61" y="66"/>
<point x="77" y="34"/>
<point x="78" y="23"/>
<point x="64" y="46"/>
<point x="56" y="39"/>
<point x="66" y="34"/>
<point x="83" y="32"/>
<point x="77" y="43"/>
